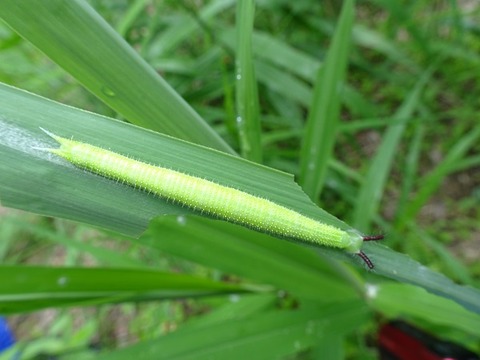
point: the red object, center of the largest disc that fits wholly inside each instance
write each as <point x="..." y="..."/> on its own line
<point x="404" y="346"/>
<point x="398" y="340"/>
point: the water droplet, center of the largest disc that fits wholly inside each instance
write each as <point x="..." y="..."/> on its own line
<point x="234" y="298"/>
<point x="239" y="119"/>
<point x="181" y="219"/>
<point x="107" y="91"/>
<point x="62" y="281"/>
<point x="310" y="328"/>
<point x="371" y="290"/>
<point x="239" y="76"/>
<point x="297" y="345"/>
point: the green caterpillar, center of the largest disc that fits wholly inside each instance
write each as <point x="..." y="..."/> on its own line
<point x="209" y="197"/>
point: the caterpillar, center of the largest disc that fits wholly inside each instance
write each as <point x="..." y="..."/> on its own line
<point x="214" y="199"/>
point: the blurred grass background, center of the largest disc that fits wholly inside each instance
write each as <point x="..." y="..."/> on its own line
<point x="402" y="151"/>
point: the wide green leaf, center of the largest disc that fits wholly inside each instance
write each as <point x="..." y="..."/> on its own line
<point x="247" y="114"/>
<point x="237" y="250"/>
<point x="232" y="249"/>
<point x="36" y="181"/>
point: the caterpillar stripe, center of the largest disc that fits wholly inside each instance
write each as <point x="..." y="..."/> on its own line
<point x="217" y="200"/>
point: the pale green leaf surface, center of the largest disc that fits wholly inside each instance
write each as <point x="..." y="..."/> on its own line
<point x="400" y="300"/>
<point x="402" y="268"/>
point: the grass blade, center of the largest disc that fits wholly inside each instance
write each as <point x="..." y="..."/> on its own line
<point x="430" y="183"/>
<point x="73" y="35"/>
<point x="399" y="300"/>
<point x="248" y="118"/>
<point x="32" y="287"/>
<point x="371" y="192"/>
<point x="35" y="181"/>
<point x="322" y="123"/>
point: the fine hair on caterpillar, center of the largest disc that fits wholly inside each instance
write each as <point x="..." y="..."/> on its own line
<point x="216" y="200"/>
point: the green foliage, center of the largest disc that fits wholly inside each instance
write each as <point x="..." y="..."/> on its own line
<point x="380" y="97"/>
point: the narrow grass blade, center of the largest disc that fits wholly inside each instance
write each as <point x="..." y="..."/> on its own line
<point x="372" y="189"/>
<point x="430" y="183"/>
<point x="130" y="16"/>
<point x="185" y="26"/>
<point x="105" y="256"/>
<point x="410" y="169"/>
<point x="32" y="287"/>
<point x="248" y="119"/>
<point x="322" y="123"/>
<point x="283" y="83"/>
<point x="458" y="270"/>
